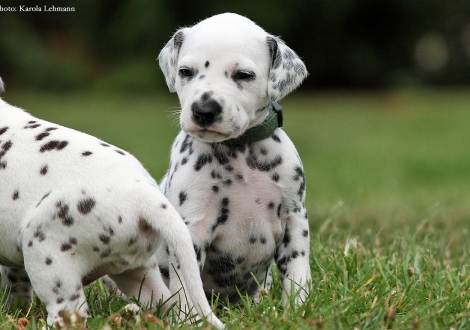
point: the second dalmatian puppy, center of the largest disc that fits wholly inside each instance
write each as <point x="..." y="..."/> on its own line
<point x="235" y="176"/>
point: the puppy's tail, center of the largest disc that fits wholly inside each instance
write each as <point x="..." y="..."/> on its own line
<point x="164" y="218"/>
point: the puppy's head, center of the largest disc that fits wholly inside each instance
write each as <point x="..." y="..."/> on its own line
<point x="226" y="71"/>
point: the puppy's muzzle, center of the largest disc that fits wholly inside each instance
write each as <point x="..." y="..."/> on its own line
<point x="206" y="112"/>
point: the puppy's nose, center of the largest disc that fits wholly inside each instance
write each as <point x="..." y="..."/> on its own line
<point x="205" y="112"/>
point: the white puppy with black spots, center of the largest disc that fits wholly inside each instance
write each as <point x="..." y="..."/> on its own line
<point x="73" y="208"/>
<point x="235" y="176"/>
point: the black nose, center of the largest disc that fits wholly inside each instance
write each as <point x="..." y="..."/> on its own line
<point x="205" y="112"/>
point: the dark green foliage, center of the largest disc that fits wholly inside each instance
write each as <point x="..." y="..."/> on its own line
<point x="112" y="44"/>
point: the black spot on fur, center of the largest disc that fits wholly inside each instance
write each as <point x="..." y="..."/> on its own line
<point x="74" y="297"/>
<point x="182" y="196"/>
<point x="220" y="156"/>
<point x="104" y="238"/>
<point x="39" y="235"/>
<point x="16" y="195"/>
<point x="187" y="144"/>
<point x="202" y="160"/>
<point x="287" y="237"/>
<point x="65" y="247"/>
<point x="86" y="205"/>
<point x="131" y="241"/>
<point x="3" y="130"/>
<point x="206" y="65"/>
<point x="215" y="175"/>
<point x="5" y="147"/>
<point x="33" y="125"/>
<point x="262" y="165"/>
<point x="53" y="145"/>
<point x="43" y="170"/>
<point x="223" y="213"/>
<point x="106" y="253"/>
<point x="275" y="177"/>
<point x="224" y="264"/>
<point x="12" y="278"/>
<point x="48" y="261"/>
<point x="198" y="251"/>
<point x="67" y="220"/>
<point x="305" y="233"/>
<point x="86" y="153"/>
<point x="120" y="152"/>
<point x="41" y="136"/>
<point x="215" y="189"/>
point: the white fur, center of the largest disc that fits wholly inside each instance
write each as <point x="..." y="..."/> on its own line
<point x="73" y="208"/>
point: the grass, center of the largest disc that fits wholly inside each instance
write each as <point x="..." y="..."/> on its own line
<point x="388" y="177"/>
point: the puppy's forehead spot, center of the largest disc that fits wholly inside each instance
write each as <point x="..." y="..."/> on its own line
<point x="207" y="95"/>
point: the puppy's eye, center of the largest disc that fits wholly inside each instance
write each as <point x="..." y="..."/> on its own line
<point x="186" y="72"/>
<point x="243" y="75"/>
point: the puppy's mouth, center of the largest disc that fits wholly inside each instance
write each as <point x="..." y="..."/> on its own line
<point x="208" y="135"/>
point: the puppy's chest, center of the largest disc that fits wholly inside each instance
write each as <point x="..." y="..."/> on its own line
<point x="223" y="197"/>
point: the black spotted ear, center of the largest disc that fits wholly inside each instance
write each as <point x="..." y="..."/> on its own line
<point x="168" y="59"/>
<point x="287" y="69"/>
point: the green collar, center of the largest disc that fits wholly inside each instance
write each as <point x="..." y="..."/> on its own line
<point x="262" y="131"/>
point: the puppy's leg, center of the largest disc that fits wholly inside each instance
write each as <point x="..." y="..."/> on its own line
<point x="144" y="283"/>
<point x="57" y="280"/>
<point x="292" y="258"/>
<point x="265" y="286"/>
<point x="17" y="279"/>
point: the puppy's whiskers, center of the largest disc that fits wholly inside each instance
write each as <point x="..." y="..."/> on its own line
<point x="174" y="114"/>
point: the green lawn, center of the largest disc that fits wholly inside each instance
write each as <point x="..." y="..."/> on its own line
<point x="388" y="194"/>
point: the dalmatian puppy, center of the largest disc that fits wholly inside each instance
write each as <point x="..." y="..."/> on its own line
<point x="240" y="192"/>
<point x="73" y="208"/>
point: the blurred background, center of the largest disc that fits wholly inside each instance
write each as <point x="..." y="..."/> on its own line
<point x="352" y="44"/>
<point x="382" y="123"/>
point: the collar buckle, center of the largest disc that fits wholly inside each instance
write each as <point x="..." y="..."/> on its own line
<point x="280" y="116"/>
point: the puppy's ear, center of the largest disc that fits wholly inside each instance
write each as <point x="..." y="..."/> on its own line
<point x="287" y="69"/>
<point x="168" y="59"/>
